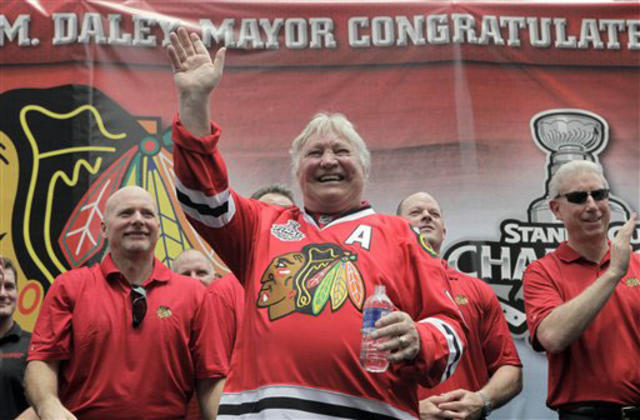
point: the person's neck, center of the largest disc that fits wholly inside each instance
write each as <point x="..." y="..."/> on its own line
<point x="5" y="325"/>
<point x="592" y="250"/>
<point x="135" y="268"/>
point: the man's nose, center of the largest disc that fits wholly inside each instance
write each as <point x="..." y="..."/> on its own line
<point x="137" y="217"/>
<point x="590" y="203"/>
<point x="328" y="159"/>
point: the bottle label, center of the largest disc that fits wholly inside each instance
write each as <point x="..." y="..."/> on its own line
<point x="371" y="315"/>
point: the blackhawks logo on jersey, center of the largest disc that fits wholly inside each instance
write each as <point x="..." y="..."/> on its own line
<point x="308" y="280"/>
<point x="423" y="242"/>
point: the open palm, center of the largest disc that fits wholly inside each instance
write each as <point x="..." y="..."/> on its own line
<point x="193" y="70"/>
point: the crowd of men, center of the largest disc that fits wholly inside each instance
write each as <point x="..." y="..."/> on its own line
<point x="131" y="338"/>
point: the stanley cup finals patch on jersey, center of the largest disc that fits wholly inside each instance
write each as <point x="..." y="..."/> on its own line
<point x="423" y="242"/>
<point x="306" y="281"/>
<point x="288" y="232"/>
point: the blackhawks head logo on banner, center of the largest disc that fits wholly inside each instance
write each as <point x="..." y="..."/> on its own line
<point x="63" y="152"/>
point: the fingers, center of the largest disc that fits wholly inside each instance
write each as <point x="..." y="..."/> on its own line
<point x="453" y="395"/>
<point x="185" y="42"/>
<point x="218" y="61"/>
<point x="400" y="336"/>
<point x="392" y="318"/>
<point x="176" y="43"/>
<point x="626" y="231"/>
<point x="173" y="58"/>
<point x="198" y="45"/>
<point x="407" y="353"/>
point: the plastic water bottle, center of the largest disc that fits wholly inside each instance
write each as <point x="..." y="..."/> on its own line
<point x="375" y="307"/>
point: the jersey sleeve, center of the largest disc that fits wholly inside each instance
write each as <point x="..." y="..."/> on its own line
<point x="497" y="343"/>
<point x="540" y="298"/>
<point x="217" y="323"/>
<point x="52" y="334"/>
<point x="224" y="219"/>
<point x="438" y="320"/>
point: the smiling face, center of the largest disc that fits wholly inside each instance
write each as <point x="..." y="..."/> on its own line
<point x="423" y="212"/>
<point x="130" y="222"/>
<point x="8" y="293"/>
<point x="584" y="222"/>
<point x="330" y="175"/>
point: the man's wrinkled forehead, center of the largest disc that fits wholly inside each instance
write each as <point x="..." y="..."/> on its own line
<point x="126" y="196"/>
<point x="419" y="200"/>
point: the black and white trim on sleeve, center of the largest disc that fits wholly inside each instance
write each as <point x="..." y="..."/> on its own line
<point x="214" y="211"/>
<point x="453" y="342"/>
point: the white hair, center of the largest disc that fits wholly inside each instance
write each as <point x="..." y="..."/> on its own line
<point x="323" y="124"/>
<point x="574" y="167"/>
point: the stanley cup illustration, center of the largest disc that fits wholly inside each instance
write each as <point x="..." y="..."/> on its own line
<point x="566" y="135"/>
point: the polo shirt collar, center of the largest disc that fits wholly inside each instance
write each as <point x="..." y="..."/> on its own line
<point x="160" y="271"/>
<point x="568" y="255"/>
<point x="452" y="273"/>
<point x="13" y="334"/>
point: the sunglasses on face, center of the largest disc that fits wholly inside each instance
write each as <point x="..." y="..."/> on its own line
<point x="138" y="304"/>
<point x="580" y="197"/>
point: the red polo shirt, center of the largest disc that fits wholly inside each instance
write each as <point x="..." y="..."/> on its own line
<point x="490" y="344"/>
<point x="601" y="365"/>
<point x="224" y="305"/>
<point x="222" y="309"/>
<point x="109" y="369"/>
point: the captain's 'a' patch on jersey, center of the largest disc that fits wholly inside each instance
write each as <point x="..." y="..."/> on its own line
<point x="424" y="244"/>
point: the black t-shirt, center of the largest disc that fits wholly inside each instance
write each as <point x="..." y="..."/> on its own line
<point x="13" y="359"/>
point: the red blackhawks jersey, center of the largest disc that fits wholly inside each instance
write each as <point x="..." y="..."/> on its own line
<point x="489" y="342"/>
<point x="297" y="353"/>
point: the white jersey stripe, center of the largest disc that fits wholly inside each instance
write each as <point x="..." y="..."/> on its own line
<point x="347" y="218"/>
<point x="453" y="342"/>
<point x="273" y="413"/>
<point x="302" y="394"/>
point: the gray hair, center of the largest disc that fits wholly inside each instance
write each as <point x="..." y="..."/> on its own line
<point x="323" y="124"/>
<point x="273" y="189"/>
<point x="570" y="168"/>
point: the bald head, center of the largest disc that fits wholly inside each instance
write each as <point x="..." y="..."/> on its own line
<point x="125" y="193"/>
<point x="130" y="222"/>
<point x="423" y="211"/>
<point x="194" y="263"/>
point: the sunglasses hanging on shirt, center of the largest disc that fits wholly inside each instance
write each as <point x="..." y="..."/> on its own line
<point x="138" y="304"/>
<point x="580" y="197"/>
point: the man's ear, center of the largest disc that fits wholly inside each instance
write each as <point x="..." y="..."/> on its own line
<point x="555" y="208"/>
<point x="103" y="230"/>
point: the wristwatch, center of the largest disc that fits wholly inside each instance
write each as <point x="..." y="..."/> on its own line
<point x="487" y="407"/>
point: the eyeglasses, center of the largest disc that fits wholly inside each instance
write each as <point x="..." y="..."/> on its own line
<point x="138" y="304"/>
<point x="580" y="197"/>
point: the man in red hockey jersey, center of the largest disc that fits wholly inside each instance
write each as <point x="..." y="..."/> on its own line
<point x="329" y="256"/>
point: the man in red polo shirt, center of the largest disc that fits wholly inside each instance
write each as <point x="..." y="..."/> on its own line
<point x="490" y="372"/>
<point x="124" y="338"/>
<point x="224" y="303"/>
<point x="583" y="303"/>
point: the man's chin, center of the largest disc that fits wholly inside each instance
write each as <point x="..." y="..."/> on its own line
<point x="6" y="311"/>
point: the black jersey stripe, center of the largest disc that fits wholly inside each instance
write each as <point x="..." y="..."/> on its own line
<point x="288" y="403"/>
<point x="202" y="209"/>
